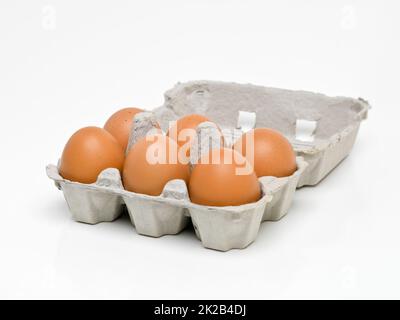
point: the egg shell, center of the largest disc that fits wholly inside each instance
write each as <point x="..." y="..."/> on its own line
<point x="120" y="124"/>
<point x="88" y="152"/>
<point x="216" y="181"/>
<point x="268" y="151"/>
<point x="190" y="122"/>
<point x="141" y="175"/>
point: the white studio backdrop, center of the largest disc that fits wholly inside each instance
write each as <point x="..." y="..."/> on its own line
<point x="69" y="64"/>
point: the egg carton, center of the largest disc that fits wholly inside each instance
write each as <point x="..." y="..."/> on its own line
<point x="219" y="228"/>
<point x="321" y="129"/>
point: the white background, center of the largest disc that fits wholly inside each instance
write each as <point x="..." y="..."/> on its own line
<point x="69" y="64"/>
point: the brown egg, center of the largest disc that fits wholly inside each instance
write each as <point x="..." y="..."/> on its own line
<point x="88" y="152"/>
<point x="120" y="124"/>
<point x="271" y="153"/>
<point x="218" y="181"/>
<point x="151" y="163"/>
<point x="188" y="123"/>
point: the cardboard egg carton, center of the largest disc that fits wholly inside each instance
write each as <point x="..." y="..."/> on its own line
<point x="321" y="129"/>
<point x="220" y="228"/>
